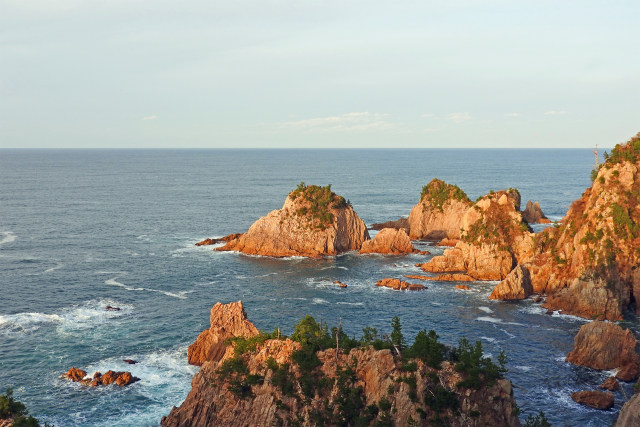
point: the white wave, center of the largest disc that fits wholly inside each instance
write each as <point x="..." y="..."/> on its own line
<point x="320" y="301"/>
<point x="26" y="322"/>
<point x="493" y="340"/>
<point x="497" y="320"/>
<point x="355" y="304"/>
<point x="180" y="295"/>
<point x="7" y="237"/>
<point x="485" y="309"/>
<point x="114" y="282"/>
<point x="510" y="335"/>
<point x="570" y="317"/>
<point x="57" y="267"/>
<point x="524" y="368"/>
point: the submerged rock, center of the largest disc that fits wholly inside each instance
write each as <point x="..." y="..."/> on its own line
<point x="313" y="222"/>
<point x="388" y="241"/>
<point x="610" y="384"/>
<point x="594" y="399"/>
<point x="463" y="287"/>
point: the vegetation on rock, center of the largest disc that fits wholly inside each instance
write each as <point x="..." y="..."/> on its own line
<point x="17" y="411"/>
<point x="438" y="192"/>
<point x="317" y="204"/>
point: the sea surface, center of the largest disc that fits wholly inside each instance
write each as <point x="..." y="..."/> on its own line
<point x="80" y="230"/>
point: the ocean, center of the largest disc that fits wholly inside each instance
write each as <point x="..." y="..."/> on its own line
<point x="83" y="229"/>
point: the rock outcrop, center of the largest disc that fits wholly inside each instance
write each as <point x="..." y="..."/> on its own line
<point x="517" y="285"/>
<point x="610" y="384"/>
<point x="227" y="321"/>
<point x="399" y="285"/>
<point x="439" y="212"/>
<point x="75" y="374"/>
<point x="604" y="345"/>
<point x="630" y="413"/>
<point x="588" y="264"/>
<point x="388" y="241"/>
<point x="110" y="377"/>
<point x="494" y="239"/>
<point x="532" y="214"/>
<point x="313" y="222"/>
<point x="399" y="224"/>
<point x="266" y="386"/>
<point x="225" y="239"/>
<point x="594" y="399"/>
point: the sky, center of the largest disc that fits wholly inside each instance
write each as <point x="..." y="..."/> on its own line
<point x="318" y="73"/>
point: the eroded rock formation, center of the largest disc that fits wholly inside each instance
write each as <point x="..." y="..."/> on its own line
<point x="399" y="285"/>
<point x="532" y="214"/>
<point x="594" y="399"/>
<point x="399" y="224"/>
<point x="313" y="222"/>
<point x="227" y="321"/>
<point x="225" y="239"/>
<point x="630" y="412"/>
<point x="388" y="241"/>
<point x="517" y="285"/>
<point x="110" y="377"/>
<point x="439" y="212"/>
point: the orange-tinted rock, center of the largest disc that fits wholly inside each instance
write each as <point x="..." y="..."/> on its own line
<point x="388" y="241"/>
<point x="629" y="372"/>
<point x="129" y="361"/>
<point x="339" y="283"/>
<point x="630" y="412"/>
<point x="465" y="287"/>
<point x="227" y="320"/>
<point x="448" y="242"/>
<point x="594" y="399"/>
<point x="224" y="239"/>
<point x="533" y="214"/>
<point x="417" y="276"/>
<point x="307" y="225"/>
<point x="125" y="378"/>
<point x="439" y="212"/>
<point x="517" y="285"/>
<point x="454" y="277"/>
<point x="75" y="374"/>
<point x="610" y="384"/>
<point x="399" y="285"/>
<point x="109" y="377"/>
<point x="603" y="345"/>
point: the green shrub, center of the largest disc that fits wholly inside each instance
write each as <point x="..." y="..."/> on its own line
<point x="478" y="369"/>
<point x="438" y="192"/>
<point x="539" y="420"/>
<point x="427" y="348"/>
<point x="440" y="399"/>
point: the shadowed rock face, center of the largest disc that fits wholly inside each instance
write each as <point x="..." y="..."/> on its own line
<point x="588" y="264"/>
<point x="594" y="399"/>
<point x="399" y="224"/>
<point x="533" y="214"/>
<point x="313" y="222"/>
<point x="374" y="376"/>
<point x="389" y="242"/>
<point x="604" y="345"/>
<point x="630" y="412"/>
<point x="439" y="212"/>
<point x="517" y="285"/>
<point x="227" y="321"/>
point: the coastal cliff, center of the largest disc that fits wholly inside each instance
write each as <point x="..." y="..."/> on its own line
<point x="313" y="222"/>
<point x="588" y="265"/>
<point x="269" y="379"/>
<point x="439" y="212"/>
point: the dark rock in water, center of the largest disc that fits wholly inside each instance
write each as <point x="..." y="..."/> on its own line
<point x="109" y="308"/>
<point x="130" y="361"/>
<point x="629" y="372"/>
<point x="399" y="224"/>
<point x="224" y="239"/>
<point x="75" y="374"/>
<point x="610" y="384"/>
<point x="109" y="377"/>
<point x="339" y="283"/>
<point x="594" y="399"/>
<point x="533" y="214"/>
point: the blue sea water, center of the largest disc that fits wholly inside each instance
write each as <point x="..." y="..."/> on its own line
<point x="80" y="230"/>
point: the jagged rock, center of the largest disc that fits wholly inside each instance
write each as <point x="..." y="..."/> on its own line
<point x="629" y="372"/>
<point x="454" y="277"/>
<point x="399" y="224"/>
<point x="399" y="285"/>
<point x="109" y="308"/>
<point x="227" y="320"/>
<point x="225" y="239"/>
<point x="630" y="412"/>
<point x="130" y="361"/>
<point x="388" y="241"/>
<point x="377" y="376"/>
<point x="464" y="287"/>
<point x="533" y="214"/>
<point x="610" y="384"/>
<point x="339" y="283"/>
<point x="517" y="285"/>
<point x="604" y="345"/>
<point x="594" y="399"/>
<point x="439" y="212"/>
<point x="75" y="374"/>
<point x="313" y="222"/>
<point x="587" y="264"/>
<point x="448" y="242"/>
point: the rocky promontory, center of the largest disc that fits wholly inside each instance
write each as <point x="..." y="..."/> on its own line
<point x="313" y="222"/>
<point x="438" y="214"/>
<point x="389" y="241"/>
<point x="305" y="380"/>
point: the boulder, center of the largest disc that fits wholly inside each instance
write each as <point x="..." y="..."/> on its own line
<point x="464" y="287"/>
<point x="532" y="214"/>
<point x="517" y="285"/>
<point x="610" y="384"/>
<point x="75" y="374"/>
<point x="399" y="285"/>
<point x="448" y="242"/>
<point x="313" y="222"/>
<point x="594" y="399"/>
<point x="340" y="284"/>
<point x="388" y="241"/>
<point x="604" y="345"/>
<point x="227" y="321"/>
<point x="629" y="372"/>
<point x="399" y="224"/>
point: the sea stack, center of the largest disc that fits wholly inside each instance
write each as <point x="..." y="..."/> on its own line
<point x="313" y="222"/>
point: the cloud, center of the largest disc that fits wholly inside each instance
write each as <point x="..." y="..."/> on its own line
<point x="350" y="122"/>
<point x="426" y="115"/>
<point x="458" y="117"/>
<point x="154" y="117"/>
<point x="512" y="114"/>
<point x="554" y="113"/>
